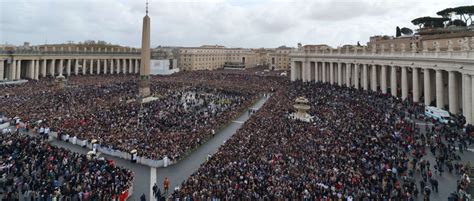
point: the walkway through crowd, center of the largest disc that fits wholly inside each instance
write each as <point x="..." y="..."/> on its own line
<point x="183" y="169"/>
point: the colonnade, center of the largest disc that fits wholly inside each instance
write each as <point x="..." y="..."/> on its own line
<point x="451" y="89"/>
<point x="35" y="68"/>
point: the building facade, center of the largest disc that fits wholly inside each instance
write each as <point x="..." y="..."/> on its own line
<point x="211" y="57"/>
<point x="279" y="58"/>
<point x="444" y="79"/>
<point x="66" y="60"/>
<point x="425" y="40"/>
<point x="261" y="55"/>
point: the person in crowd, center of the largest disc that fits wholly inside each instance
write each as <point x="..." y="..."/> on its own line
<point x="166" y="185"/>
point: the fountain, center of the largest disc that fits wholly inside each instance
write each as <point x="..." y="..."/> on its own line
<point x="302" y="106"/>
<point x="60" y="81"/>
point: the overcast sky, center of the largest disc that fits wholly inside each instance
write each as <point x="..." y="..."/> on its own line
<point x="233" y="23"/>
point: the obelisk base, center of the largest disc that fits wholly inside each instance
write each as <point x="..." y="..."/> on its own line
<point x="144" y="88"/>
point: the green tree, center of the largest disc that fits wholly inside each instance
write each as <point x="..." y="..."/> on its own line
<point x="446" y="13"/>
<point x="465" y="13"/>
<point x="457" y="22"/>
<point x="429" y="22"/>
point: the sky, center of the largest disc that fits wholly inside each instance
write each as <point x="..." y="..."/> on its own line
<point x="232" y="23"/>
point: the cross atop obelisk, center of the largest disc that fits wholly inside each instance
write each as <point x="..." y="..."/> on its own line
<point x="144" y="81"/>
<point x="147" y="7"/>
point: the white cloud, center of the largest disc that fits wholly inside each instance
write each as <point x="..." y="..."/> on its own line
<point x="242" y="23"/>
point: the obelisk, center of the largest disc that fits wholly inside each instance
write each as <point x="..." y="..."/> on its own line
<point x="144" y="81"/>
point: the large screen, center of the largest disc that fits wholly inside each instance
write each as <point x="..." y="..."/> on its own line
<point x="161" y="67"/>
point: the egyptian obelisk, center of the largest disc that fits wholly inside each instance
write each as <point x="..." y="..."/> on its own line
<point x="144" y="82"/>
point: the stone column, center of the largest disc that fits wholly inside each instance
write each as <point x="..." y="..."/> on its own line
<point x="467" y="99"/>
<point x="43" y="69"/>
<point x="316" y="72"/>
<point x="124" y="66"/>
<point x="12" y="75"/>
<point x="393" y="80"/>
<point x="37" y="68"/>
<point x="91" y="69"/>
<point x="348" y="74"/>
<point x="137" y="67"/>
<point x="61" y="67"/>
<point x="331" y="73"/>
<point x="416" y="85"/>
<point x="427" y="86"/>
<point x="365" y="82"/>
<point x="356" y="76"/>
<point x="439" y="89"/>
<point x="323" y="69"/>
<point x="339" y="74"/>
<point x="299" y="71"/>
<point x="2" y="69"/>
<point x="98" y="67"/>
<point x="105" y="66"/>
<point x="404" y="83"/>
<point x="383" y="78"/>
<point x="118" y="65"/>
<point x="31" y="69"/>
<point x="374" y="77"/>
<point x="52" y="68"/>
<point x="76" y="66"/>
<point x="293" y="71"/>
<point x="453" y="93"/>
<point x="18" y="70"/>
<point x="305" y="71"/>
<point x="68" y="67"/>
<point x="112" y="67"/>
<point x="84" y="66"/>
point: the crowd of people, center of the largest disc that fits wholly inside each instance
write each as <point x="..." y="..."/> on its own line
<point x="360" y="145"/>
<point x="32" y="169"/>
<point x="183" y="116"/>
<point x="179" y="121"/>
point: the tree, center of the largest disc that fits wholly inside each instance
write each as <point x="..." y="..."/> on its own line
<point x="457" y="22"/>
<point x="429" y="22"/>
<point x="398" y="33"/>
<point x="446" y="13"/>
<point x="465" y="13"/>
